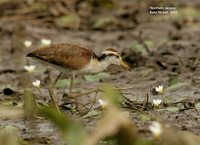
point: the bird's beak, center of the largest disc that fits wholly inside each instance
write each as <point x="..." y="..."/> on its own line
<point x="125" y="65"/>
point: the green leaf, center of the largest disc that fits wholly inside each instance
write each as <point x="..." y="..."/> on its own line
<point x="176" y="86"/>
<point x="103" y="22"/>
<point x="9" y="135"/>
<point x="144" y="117"/>
<point x="63" y="83"/>
<point x="173" y="81"/>
<point x="138" y="47"/>
<point x="10" y="129"/>
<point x="111" y="94"/>
<point x="144" y="141"/>
<point x="71" y="130"/>
<point x="68" y="21"/>
<point x="149" y="43"/>
<point x="96" y="78"/>
<point x="172" y="109"/>
<point x="30" y="105"/>
<point x="8" y="103"/>
<point x="38" y="6"/>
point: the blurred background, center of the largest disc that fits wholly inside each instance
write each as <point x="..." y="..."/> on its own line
<point x="96" y="23"/>
<point x="161" y="48"/>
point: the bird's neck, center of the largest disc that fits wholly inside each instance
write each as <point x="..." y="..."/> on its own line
<point x="95" y="65"/>
<point x="101" y="58"/>
<point x="103" y="64"/>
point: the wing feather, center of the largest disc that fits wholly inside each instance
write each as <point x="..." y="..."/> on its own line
<point x="65" y="55"/>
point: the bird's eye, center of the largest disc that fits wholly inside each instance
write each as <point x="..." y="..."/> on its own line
<point x="117" y="56"/>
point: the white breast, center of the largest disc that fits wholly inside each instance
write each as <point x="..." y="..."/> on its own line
<point x="94" y="66"/>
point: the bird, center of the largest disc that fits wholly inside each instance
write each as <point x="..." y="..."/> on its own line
<point x="73" y="59"/>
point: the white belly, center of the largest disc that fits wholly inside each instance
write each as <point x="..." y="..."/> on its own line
<point x="94" y="66"/>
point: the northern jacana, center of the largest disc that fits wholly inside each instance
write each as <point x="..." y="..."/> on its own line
<point x="75" y="59"/>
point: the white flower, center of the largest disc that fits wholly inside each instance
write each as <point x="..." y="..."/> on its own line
<point x="45" y="42"/>
<point x="156" y="129"/>
<point x="157" y="102"/>
<point x="159" y="89"/>
<point x="103" y="103"/>
<point x="36" y="83"/>
<point x="27" y="43"/>
<point x="29" y="68"/>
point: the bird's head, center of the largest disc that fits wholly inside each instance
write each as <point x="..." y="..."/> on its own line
<point x="112" y="56"/>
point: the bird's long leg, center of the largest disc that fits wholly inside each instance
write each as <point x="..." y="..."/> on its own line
<point x="52" y="94"/>
<point x="71" y="84"/>
<point x="70" y="90"/>
<point x="57" y="78"/>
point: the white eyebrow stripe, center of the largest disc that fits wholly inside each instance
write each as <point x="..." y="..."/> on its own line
<point x="107" y="52"/>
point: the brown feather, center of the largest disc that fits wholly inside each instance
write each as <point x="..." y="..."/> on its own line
<point x="111" y="49"/>
<point x="69" y="56"/>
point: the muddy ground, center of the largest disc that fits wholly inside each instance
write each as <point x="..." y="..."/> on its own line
<point x="161" y="49"/>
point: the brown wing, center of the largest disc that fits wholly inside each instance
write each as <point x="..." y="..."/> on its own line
<point x="65" y="55"/>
